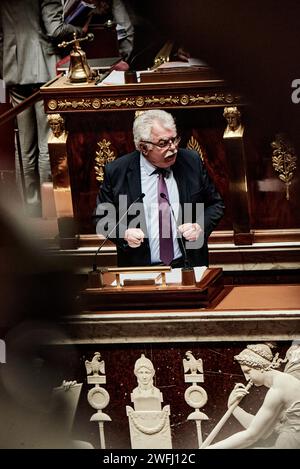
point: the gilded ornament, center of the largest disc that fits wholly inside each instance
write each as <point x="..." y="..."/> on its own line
<point x="184" y="99"/>
<point x="74" y="104"/>
<point x="57" y="125"/>
<point x="229" y="98"/>
<point x="234" y="127"/>
<point x="193" y="144"/>
<point x="103" y="156"/>
<point x="284" y="160"/>
<point x="139" y="101"/>
<point x="52" y="104"/>
<point x="96" y="103"/>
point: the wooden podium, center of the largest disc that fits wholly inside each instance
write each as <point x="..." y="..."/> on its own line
<point x="160" y="296"/>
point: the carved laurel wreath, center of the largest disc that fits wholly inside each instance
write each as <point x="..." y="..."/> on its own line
<point x="284" y="160"/>
<point x="193" y="144"/>
<point x="103" y="155"/>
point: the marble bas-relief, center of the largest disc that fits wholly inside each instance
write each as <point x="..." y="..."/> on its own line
<point x="149" y="424"/>
<point x="280" y="411"/>
<point x="195" y="396"/>
<point x="98" y="397"/>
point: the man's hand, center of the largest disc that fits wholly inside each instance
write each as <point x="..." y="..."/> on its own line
<point x="134" y="237"/>
<point x="183" y="54"/>
<point x="190" y="231"/>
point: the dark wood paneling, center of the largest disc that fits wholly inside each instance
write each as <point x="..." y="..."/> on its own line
<point x="84" y="134"/>
<point x="267" y="194"/>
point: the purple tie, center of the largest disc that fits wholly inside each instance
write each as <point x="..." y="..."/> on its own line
<point x="165" y="227"/>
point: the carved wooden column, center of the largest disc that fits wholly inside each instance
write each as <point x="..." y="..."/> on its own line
<point x="61" y="182"/>
<point x="238" y="184"/>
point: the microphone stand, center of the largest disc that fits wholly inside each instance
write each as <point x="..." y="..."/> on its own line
<point x="95" y="275"/>
<point x="187" y="271"/>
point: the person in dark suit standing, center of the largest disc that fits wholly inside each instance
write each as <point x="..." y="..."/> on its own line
<point x="32" y="29"/>
<point x="157" y="170"/>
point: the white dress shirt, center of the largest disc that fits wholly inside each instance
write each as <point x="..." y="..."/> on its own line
<point x="149" y="188"/>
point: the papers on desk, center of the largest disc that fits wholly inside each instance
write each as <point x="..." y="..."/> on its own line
<point x="191" y="62"/>
<point x="115" y="77"/>
<point x="174" y="276"/>
<point x="139" y="276"/>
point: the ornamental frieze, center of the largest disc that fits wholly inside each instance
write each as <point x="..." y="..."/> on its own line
<point x="183" y="100"/>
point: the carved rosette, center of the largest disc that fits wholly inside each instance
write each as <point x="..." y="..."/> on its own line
<point x="103" y="156"/>
<point x="284" y="160"/>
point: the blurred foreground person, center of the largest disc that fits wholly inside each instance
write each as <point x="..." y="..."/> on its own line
<point x="34" y="294"/>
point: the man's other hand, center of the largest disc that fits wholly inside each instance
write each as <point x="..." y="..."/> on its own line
<point x="190" y="231"/>
<point x="134" y="237"/>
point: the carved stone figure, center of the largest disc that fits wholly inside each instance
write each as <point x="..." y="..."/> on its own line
<point x="280" y="411"/>
<point x="293" y="360"/>
<point x="145" y="394"/>
<point x="95" y="366"/>
<point x="233" y="117"/>
<point x="195" y="396"/>
<point x="57" y="125"/>
<point x="98" y="397"/>
<point x="149" y="424"/>
<point x="191" y="364"/>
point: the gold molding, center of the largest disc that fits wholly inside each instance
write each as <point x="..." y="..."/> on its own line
<point x="103" y="156"/>
<point x="284" y="160"/>
<point x="163" y="55"/>
<point x="133" y="102"/>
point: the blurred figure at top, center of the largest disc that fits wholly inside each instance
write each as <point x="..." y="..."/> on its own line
<point x="115" y="11"/>
<point x="31" y="32"/>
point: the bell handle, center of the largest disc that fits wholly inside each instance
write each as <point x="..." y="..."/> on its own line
<point x="88" y="37"/>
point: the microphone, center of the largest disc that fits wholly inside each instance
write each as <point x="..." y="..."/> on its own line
<point x="188" y="274"/>
<point x="95" y="280"/>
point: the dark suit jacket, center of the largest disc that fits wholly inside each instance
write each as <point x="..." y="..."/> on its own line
<point x="123" y="176"/>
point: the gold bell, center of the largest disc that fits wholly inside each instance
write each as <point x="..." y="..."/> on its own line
<point x="79" y="70"/>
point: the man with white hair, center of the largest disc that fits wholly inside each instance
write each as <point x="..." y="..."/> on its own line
<point x="179" y="205"/>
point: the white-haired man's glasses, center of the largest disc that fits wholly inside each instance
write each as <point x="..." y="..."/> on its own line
<point x="164" y="143"/>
